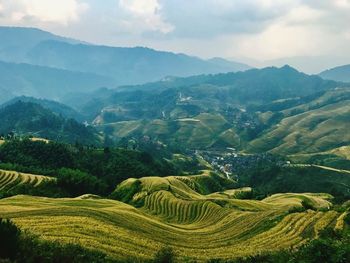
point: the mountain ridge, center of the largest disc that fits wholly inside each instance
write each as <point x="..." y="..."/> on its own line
<point x="340" y="73"/>
<point x="126" y="65"/>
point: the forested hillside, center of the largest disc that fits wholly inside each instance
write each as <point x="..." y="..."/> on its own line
<point x="31" y="119"/>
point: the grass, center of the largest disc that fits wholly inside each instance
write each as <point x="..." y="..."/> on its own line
<point x="343" y="152"/>
<point x="204" y="130"/>
<point x="338" y="157"/>
<point x="317" y="130"/>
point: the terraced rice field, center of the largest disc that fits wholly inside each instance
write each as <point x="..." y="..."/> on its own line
<point x="172" y="213"/>
<point x="11" y="179"/>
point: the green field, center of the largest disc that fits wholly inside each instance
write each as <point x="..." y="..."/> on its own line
<point x="198" y="219"/>
<point x="204" y="130"/>
<point x="318" y="126"/>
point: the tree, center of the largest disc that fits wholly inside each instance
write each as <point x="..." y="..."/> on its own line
<point x="9" y="239"/>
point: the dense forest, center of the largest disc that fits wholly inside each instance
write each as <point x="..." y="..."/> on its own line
<point x="79" y="169"/>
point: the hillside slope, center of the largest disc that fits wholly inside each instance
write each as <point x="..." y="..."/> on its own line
<point x="10" y="180"/>
<point x="341" y="73"/>
<point x="17" y="41"/>
<point x="123" y="65"/>
<point x="26" y="118"/>
<point x="45" y="82"/>
<point x="56" y="107"/>
<point x="317" y="126"/>
<point x="212" y="110"/>
<point x="196" y="228"/>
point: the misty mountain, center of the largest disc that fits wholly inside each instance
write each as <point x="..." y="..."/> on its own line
<point x="341" y="73"/>
<point x="306" y="64"/>
<point x="44" y="82"/>
<point x="17" y="41"/>
<point x="54" y="106"/>
<point x="125" y="65"/>
<point x="258" y="110"/>
<point x="188" y="97"/>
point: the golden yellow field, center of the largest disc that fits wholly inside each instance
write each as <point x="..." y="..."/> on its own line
<point x="11" y="179"/>
<point x="170" y="212"/>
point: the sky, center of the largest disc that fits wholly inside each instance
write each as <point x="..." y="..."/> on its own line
<point x="311" y="35"/>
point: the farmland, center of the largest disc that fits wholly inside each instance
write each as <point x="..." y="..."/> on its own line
<point x="197" y="219"/>
<point x="11" y="179"/>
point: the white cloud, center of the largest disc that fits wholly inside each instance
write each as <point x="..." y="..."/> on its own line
<point x="278" y="41"/>
<point x="342" y="3"/>
<point x="144" y="15"/>
<point x="35" y="11"/>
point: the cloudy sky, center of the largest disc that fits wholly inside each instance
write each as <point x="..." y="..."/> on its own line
<point x="309" y="34"/>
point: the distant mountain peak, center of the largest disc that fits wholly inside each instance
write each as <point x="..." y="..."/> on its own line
<point x="340" y="73"/>
<point x="125" y="65"/>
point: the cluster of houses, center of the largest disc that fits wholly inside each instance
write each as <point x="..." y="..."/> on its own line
<point x="231" y="163"/>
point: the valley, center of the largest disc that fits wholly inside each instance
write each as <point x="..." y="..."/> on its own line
<point x="130" y="154"/>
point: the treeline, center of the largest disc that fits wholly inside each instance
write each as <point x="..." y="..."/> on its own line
<point x="80" y="169"/>
<point x="25" y="118"/>
<point x="268" y="178"/>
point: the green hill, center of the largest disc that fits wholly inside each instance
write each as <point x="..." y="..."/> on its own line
<point x="297" y="178"/>
<point x="316" y="126"/>
<point x="204" y="130"/>
<point x="210" y="111"/>
<point x="56" y="107"/>
<point x="210" y="92"/>
<point x="26" y="118"/>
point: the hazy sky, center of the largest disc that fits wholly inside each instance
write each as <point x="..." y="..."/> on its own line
<point x="246" y="30"/>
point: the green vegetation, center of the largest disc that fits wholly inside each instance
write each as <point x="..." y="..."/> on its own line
<point x="255" y="111"/>
<point x="312" y="125"/>
<point x="269" y="179"/>
<point x="251" y="166"/>
<point x="54" y="106"/>
<point x="26" y="118"/>
<point x="78" y="169"/>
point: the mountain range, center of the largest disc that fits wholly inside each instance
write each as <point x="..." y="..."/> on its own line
<point x="123" y="65"/>
<point x="341" y="73"/>
<point x="114" y="154"/>
<point x="272" y="109"/>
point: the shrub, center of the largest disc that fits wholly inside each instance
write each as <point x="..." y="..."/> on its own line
<point x="77" y="183"/>
<point x="9" y="239"/>
<point x="165" y="255"/>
